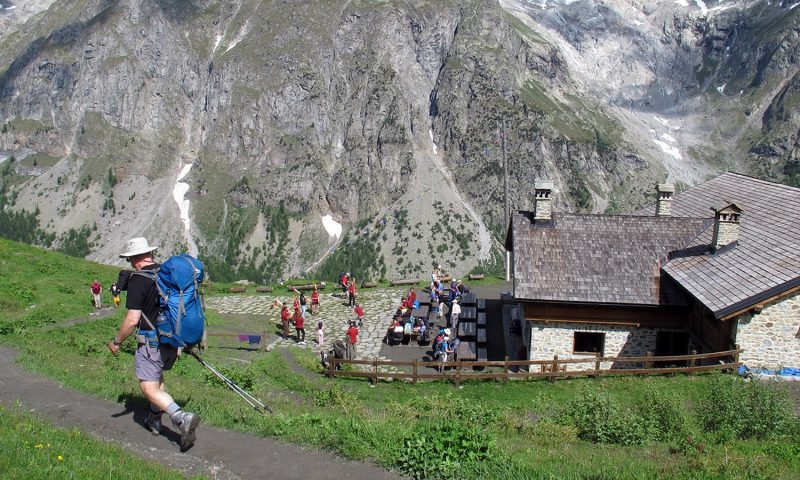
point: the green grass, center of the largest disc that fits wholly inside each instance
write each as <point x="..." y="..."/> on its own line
<point x="34" y="449"/>
<point x="525" y="427"/>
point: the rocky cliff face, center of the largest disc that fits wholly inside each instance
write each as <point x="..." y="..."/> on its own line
<point x="232" y="127"/>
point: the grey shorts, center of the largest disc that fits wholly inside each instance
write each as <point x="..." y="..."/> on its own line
<point x="151" y="361"/>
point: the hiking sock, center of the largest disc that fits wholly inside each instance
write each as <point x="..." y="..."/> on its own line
<point x="154" y="410"/>
<point x="175" y="413"/>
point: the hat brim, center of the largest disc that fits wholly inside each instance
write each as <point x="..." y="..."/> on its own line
<point x="137" y="251"/>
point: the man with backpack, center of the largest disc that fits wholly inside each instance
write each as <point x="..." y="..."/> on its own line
<point x="152" y="357"/>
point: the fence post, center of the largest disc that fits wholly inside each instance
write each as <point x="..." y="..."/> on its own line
<point x="736" y="355"/>
<point x="331" y="366"/>
<point x="692" y="361"/>
<point x="553" y="369"/>
<point x="648" y="363"/>
<point x="505" y="369"/>
<point x="414" y="377"/>
<point x="374" y="372"/>
<point x="597" y="365"/>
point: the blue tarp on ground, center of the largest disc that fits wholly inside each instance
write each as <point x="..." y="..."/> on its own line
<point x="784" y="372"/>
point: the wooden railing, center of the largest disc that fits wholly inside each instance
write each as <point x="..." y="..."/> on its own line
<point x="459" y="371"/>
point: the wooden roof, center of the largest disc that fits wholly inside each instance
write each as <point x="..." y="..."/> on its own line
<point x="597" y="258"/>
<point x="766" y="260"/>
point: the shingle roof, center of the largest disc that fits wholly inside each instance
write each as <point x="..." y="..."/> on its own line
<point x="597" y="258"/>
<point x="767" y="258"/>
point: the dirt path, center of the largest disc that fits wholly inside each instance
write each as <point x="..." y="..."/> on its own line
<point x="219" y="454"/>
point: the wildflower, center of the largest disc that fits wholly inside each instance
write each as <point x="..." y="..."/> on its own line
<point x="38" y="445"/>
<point x="60" y="458"/>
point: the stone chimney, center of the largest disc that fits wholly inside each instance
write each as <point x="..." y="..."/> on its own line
<point x="543" y="201"/>
<point x="664" y="199"/>
<point x="726" y="226"/>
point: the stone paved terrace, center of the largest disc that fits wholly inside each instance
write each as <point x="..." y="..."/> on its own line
<point x="378" y="304"/>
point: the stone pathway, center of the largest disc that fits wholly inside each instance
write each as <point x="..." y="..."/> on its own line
<point x="379" y="306"/>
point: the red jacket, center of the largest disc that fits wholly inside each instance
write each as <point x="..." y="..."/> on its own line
<point x="352" y="288"/>
<point x="285" y="315"/>
<point x="359" y="311"/>
<point x="352" y="335"/>
<point x="412" y="297"/>
<point x="299" y="321"/>
<point x="314" y="297"/>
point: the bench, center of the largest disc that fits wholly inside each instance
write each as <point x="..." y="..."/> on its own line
<point x="481" y="304"/>
<point x="421" y="312"/>
<point x="482" y="356"/>
<point x="467" y="329"/>
<point x="467" y="351"/>
<point x="467" y="313"/>
<point x="307" y="286"/>
<point x="481" y="335"/>
<point x="369" y="284"/>
<point x="482" y="319"/>
<point x="238" y="289"/>
<point x="264" y="289"/>
<point x="405" y="281"/>
<point x="476" y="276"/>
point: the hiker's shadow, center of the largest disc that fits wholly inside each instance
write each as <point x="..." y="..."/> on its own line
<point x="138" y="406"/>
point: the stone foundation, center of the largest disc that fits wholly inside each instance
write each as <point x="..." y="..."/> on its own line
<point x="771" y="339"/>
<point x="620" y="341"/>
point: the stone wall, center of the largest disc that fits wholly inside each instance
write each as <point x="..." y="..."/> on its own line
<point x="620" y="341"/>
<point x="771" y="339"/>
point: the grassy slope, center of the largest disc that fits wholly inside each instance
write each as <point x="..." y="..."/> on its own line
<point x="360" y="422"/>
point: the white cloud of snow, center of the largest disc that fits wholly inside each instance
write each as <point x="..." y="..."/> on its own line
<point x="430" y="132"/>
<point x="179" y="192"/>
<point x="669" y="149"/>
<point x="721" y="88"/>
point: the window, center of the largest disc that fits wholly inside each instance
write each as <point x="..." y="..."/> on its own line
<point x="589" y="342"/>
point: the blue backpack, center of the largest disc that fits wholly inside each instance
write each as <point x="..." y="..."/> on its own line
<point x="181" y="321"/>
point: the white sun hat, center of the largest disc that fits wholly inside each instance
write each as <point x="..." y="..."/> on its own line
<point x="137" y="246"/>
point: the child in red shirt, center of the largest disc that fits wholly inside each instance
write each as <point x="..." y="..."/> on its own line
<point x="299" y="323"/>
<point x="351" y="292"/>
<point x="359" y="314"/>
<point x="285" y="316"/>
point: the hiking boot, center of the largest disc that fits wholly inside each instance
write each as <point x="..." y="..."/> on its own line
<point x="153" y="422"/>
<point x="186" y="426"/>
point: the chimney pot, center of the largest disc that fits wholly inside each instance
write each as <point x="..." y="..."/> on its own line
<point x="664" y="199"/>
<point x="542" y="201"/>
<point x="726" y="226"/>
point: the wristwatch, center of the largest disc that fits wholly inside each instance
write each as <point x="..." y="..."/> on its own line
<point x="116" y="342"/>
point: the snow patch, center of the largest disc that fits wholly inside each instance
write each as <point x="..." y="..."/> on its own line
<point x="792" y="7"/>
<point x="430" y="132"/>
<point x="668" y="138"/>
<point x="216" y="43"/>
<point x="701" y="5"/>
<point x="669" y="149"/>
<point x="178" y="194"/>
<point x="665" y="122"/>
<point x="721" y="88"/>
<point x="682" y="3"/>
<point x="333" y="227"/>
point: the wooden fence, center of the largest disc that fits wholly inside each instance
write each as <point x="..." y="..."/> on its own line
<point x="459" y="371"/>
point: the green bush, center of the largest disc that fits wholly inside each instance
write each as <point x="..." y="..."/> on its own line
<point x="333" y="397"/>
<point x="665" y="416"/>
<point x="243" y="376"/>
<point x="733" y="409"/>
<point x="445" y="449"/>
<point x="601" y="419"/>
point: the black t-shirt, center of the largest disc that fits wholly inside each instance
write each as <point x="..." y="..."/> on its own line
<point x="143" y="295"/>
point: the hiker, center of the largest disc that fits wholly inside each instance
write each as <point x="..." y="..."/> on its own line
<point x="351" y="293"/>
<point x="299" y="323"/>
<point x="96" y="290"/>
<point x="455" y="311"/>
<point x="115" y="294"/>
<point x="152" y="357"/>
<point x="351" y="340"/>
<point x="315" y="301"/>
<point x="285" y="315"/>
<point x="321" y="343"/>
<point x="359" y="314"/>
<point x="411" y="298"/>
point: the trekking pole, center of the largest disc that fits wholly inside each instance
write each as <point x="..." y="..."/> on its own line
<point x="257" y="405"/>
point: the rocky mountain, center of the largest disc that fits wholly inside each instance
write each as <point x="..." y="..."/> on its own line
<point x="247" y="131"/>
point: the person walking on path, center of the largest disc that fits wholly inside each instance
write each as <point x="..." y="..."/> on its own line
<point x="299" y="327"/>
<point x="115" y="294"/>
<point x="315" y="301"/>
<point x="152" y="357"/>
<point x="303" y="304"/>
<point x="359" y="311"/>
<point x="344" y="283"/>
<point x="351" y="341"/>
<point x="96" y="290"/>
<point x="321" y="342"/>
<point x="351" y="293"/>
<point x="455" y="311"/>
<point x="285" y="316"/>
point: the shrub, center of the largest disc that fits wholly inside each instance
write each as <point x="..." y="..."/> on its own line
<point x="733" y="409"/>
<point x="330" y="398"/>
<point x="664" y="415"/>
<point x="445" y="450"/>
<point x="601" y="419"/>
<point x="240" y="375"/>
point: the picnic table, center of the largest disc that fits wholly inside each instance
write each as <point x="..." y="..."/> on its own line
<point x="467" y="329"/>
<point x="467" y="313"/>
<point x="467" y="351"/>
<point x="481" y="335"/>
<point x="468" y="299"/>
<point x="482" y="319"/>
